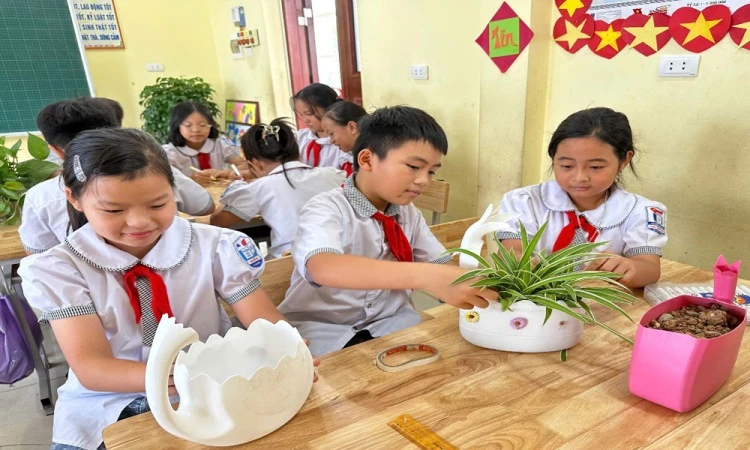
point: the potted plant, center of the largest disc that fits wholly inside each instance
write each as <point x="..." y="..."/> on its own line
<point x="542" y="303"/>
<point x="18" y="177"/>
<point x="159" y="99"/>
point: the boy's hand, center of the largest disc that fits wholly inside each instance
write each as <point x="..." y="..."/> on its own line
<point x="615" y="263"/>
<point x="461" y="295"/>
<point x="316" y="361"/>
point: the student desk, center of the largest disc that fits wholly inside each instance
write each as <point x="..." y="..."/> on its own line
<point x="478" y="397"/>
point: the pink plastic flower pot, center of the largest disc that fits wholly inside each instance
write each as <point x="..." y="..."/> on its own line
<point x="677" y="370"/>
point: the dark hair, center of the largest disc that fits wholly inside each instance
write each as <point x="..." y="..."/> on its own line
<point x="605" y="124"/>
<point x="281" y="149"/>
<point x="61" y="121"/>
<point x="316" y="95"/>
<point x="180" y="112"/>
<point x="344" y="112"/>
<point x="114" y="104"/>
<point x="391" y="127"/>
<point x="121" y="152"/>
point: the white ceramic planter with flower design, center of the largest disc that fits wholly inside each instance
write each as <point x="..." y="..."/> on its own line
<point x="520" y="329"/>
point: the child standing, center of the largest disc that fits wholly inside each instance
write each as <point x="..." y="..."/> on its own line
<point x="317" y="149"/>
<point x="363" y="247"/>
<point x="128" y="262"/>
<point x="194" y="146"/>
<point x="340" y="122"/>
<point x="284" y="184"/>
<point x="589" y="151"/>
<point x="44" y="222"/>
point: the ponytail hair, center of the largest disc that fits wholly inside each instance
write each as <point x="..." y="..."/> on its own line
<point x="344" y="112"/>
<point x="121" y="152"/>
<point x="274" y="142"/>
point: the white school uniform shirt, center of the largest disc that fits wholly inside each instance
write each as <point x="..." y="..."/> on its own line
<point x="279" y="202"/>
<point x="633" y="225"/>
<point x="44" y="222"/>
<point x="330" y="154"/>
<point x="84" y="275"/>
<point x="339" y="221"/>
<point x="222" y="151"/>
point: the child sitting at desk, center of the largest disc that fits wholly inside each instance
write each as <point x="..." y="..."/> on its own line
<point x="363" y="247"/>
<point x="340" y="122"/>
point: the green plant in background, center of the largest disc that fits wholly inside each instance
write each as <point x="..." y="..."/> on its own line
<point x="159" y="99"/>
<point x="18" y="177"/>
<point x="548" y="278"/>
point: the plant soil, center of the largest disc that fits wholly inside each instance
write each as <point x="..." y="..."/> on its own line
<point x="697" y="321"/>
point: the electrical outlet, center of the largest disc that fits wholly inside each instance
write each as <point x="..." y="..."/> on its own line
<point x="419" y="72"/>
<point x="154" y="67"/>
<point x="679" y="65"/>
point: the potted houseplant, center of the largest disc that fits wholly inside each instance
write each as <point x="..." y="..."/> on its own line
<point x="18" y="177"/>
<point x="159" y="99"/>
<point x="542" y="304"/>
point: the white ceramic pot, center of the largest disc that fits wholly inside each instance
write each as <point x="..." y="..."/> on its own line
<point x="233" y="389"/>
<point x="520" y="329"/>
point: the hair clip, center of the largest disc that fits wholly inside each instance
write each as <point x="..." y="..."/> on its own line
<point x="270" y="129"/>
<point x="78" y="169"/>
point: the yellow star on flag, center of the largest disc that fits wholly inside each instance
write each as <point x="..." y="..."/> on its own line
<point x="574" y="33"/>
<point x="701" y="27"/>
<point x="745" y="37"/>
<point x="609" y="38"/>
<point x="571" y="6"/>
<point x="646" y="34"/>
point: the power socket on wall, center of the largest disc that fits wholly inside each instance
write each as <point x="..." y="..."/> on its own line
<point x="679" y="65"/>
<point x="420" y="72"/>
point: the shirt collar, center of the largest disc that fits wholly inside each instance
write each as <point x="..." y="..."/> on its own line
<point x="171" y="250"/>
<point x="289" y="165"/>
<point x="187" y="151"/>
<point x="619" y="206"/>
<point x="361" y="204"/>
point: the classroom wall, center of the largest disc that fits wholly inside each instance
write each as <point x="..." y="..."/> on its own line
<point x="692" y="133"/>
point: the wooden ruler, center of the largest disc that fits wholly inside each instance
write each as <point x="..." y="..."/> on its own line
<point x="419" y="434"/>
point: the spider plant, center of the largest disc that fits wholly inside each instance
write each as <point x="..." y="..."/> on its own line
<point x="550" y="280"/>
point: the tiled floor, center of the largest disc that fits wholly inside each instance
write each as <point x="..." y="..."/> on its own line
<point x="23" y="424"/>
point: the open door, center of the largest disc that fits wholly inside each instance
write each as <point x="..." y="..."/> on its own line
<point x="348" y="37"/>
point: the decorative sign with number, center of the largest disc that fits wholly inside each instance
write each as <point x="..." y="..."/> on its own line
<point x="97" y="23"/>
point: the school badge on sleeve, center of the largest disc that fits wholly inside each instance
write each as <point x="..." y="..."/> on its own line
<point x="248" y="252"/>
<point x="655" y="219"/>
<point x="505" y="37"/>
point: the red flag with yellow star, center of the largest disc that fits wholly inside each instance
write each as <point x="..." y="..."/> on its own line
<point x="697" y="31"/>
<point x="505" y="37"/>
<point x="572" y="35"/>
<point x="646" y="34"/>
<point x="607" y="40"/>
<point x="740" y="31"/>
<point x="573" y="9"/>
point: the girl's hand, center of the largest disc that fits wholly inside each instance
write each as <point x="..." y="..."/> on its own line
<point x="461" y="295"/>
<point x="203" y="177"/>
<point x="316" y="361"/>
<point x="617" y="264"/>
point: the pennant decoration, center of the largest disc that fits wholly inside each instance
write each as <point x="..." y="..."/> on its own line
<point x="646" y="34"/>
<point x="505" y="37"/>
<point x="740" y="30"/>
<point x="573" y="9"/>
<point x="697" y="31"/>
<point x="607" y="40"/>
<point x="573" y="35"/>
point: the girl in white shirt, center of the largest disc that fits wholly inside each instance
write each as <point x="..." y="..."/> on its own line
<point x="340" y="122"/>
<point x="195" y="148"/>
<point x="590" y="150"/>
<point x="128" y="262"/>
<point x="309" y="105"/>
<point x="283" y="186"/>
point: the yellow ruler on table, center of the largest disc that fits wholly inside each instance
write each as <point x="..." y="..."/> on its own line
<point x="419" y="434"/>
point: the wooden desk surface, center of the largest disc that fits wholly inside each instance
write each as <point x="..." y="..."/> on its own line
<point x="474" y="397"/>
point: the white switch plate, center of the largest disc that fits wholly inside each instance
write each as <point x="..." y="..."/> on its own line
<point x="420" y="72"/>
<point x="679" y="65"/>
<point x="154" y="67"/>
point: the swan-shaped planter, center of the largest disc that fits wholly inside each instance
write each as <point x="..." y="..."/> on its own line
<point x="233" y="389"/>
<point x="521" y="328"/>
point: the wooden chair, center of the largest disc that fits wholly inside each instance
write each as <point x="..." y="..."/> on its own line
<point x="434" y="199"/>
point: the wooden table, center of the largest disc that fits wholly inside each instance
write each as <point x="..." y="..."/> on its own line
<point x="474" y="397"/>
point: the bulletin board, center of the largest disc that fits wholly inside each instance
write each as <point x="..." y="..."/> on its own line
<point x="97" y="24"/>
<point x="41" y="61"/>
